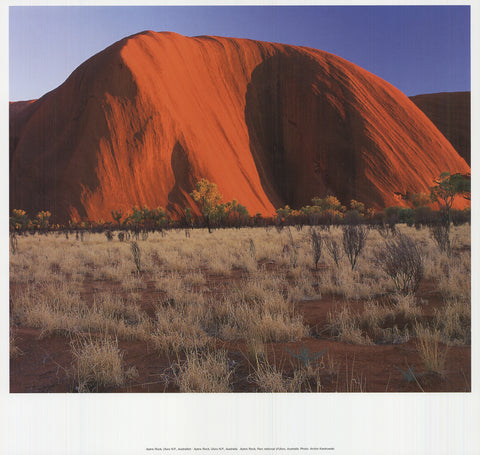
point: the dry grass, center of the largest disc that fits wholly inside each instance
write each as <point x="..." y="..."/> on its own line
<point x="376" y="323"/>
<point x="98" y="365"/>
<point x="258" y="309"/>
<point x="454" y="277"/>
<point x="453" y="321"/>
<point x="431" y="352"/>
<point x="232" y="285"/>
<point x="204" y="372"/>
<point x="57" y="308"/>
<point x="178" y="289"/>
<point x="179" y="328"/>
<point x="15" y="351"/>
<point x="407" y="307"/>
<point x="257" y="350"/>
<point x="354" y="383"/>
<point x="270" y="379"/>
<point x="345" y="326"/>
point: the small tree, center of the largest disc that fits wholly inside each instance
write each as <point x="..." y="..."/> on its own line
<point x="117" y="216"/>
<point x="447" y="187"/>
<point x="207" y="196"/>
<point x="329" y="203"/>
<point x="354" y="239"/>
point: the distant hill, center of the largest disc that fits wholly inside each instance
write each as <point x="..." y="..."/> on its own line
<point x="271" y="124"/>
<point x="450" y="113"/>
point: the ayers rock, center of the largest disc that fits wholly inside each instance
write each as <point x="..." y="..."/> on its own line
<point x="271" y="124"/>
<point x="450" y="113"/>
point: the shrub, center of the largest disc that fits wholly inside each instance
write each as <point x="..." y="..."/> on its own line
<point x="440" y="233"/>
<point x="42" y="220"/>
<point x="460" y="217"/>
<point x="317" y="247"/>
<point x="392" y="215"/>
<point x="423" y="216"/>
<point x="330" y="203"/>
<point x="407" y="216"/>
<point x="358" y="206"/>
<point x="354" y="239"/>
<point x="19" y="220"/>
<point x="386" y="230"/>
<point x="420" y="200"/>
<point x="402" y="260"/>
<point x="117" y="216"/>
<point x="333" y="249"/>
<point x="352" y="217"/>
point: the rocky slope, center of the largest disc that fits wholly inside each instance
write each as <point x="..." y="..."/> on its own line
<point x="450" y="113"/>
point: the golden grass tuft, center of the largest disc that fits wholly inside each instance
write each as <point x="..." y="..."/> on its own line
<point x="431" y="352"/>
<point x="258" y="309"/>
<point x="98" y="365"/>
<point x="345" y="326"/>
<point x="204" y="372"/>
<point x="453" y="321"/>
<point x="270" y="379"/>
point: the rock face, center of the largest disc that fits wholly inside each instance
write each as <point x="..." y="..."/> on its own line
<point x="271" y="124"/>
<point x="450" y="113"/>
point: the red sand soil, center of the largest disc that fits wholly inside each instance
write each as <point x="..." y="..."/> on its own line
<point x="450" y="113"/>
<point x="45" y="364"/>
<point x="142" y="121"/>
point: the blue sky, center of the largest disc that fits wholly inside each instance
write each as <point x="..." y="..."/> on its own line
<point x="418" y="49"/>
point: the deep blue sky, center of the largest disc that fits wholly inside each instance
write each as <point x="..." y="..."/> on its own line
<point x="417" y="49"/>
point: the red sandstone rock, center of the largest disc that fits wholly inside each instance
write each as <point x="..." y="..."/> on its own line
<point x="450" y="113"/>
<point x="271" y="124"/>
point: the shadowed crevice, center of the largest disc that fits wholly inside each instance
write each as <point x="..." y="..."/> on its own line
<point x="301" y="131"/>
<point x="179" y="195"/>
